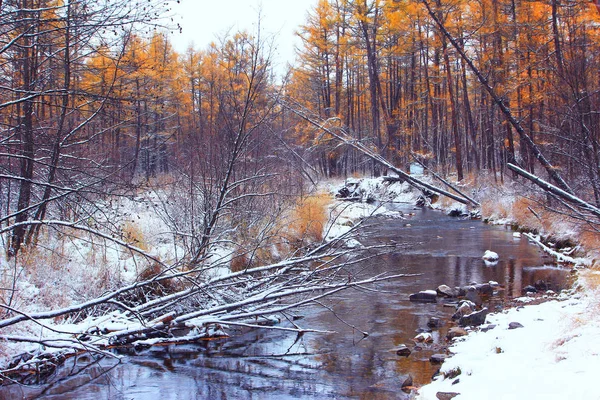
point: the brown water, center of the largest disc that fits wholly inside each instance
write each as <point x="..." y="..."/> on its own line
<point x="345" y="365"/>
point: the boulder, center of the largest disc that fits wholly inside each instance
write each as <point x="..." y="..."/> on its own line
<point x="515" y="325"/>
<point x="446" y="291"/>
<point x="403" y="351"/>
<point x="437" y="358"/>
<point x="474" y="319"/>
<point x="490" y="256"/>
<point x="435" y="322"/>
<point x="455" y="332"/>
<point x="424" y="337"/>
<point x="393" y="384"/>
<point x="464" y="308"/>
<point x="529" y="289"/>
<point x="467" y="302"/>
<point x="461" y="291"/>
<point x="424" y="296"/>
<point x="484" y="289"/>
<point x="473" y="296"/>
<point x="405" y="380"/>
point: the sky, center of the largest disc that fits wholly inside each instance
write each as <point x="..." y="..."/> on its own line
<point x="204" y="21"/>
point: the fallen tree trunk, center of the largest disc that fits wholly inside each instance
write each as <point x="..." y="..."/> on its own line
<point x="445" y="182"/>
<point x="548" y="187"/>
<point x="346" y="139"/>
<point x="552" y="172"/>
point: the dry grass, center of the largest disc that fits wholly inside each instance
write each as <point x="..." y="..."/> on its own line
<point x="299" y="225"/>
<point x="161" y="288"/>
<point x="240" y="261"/>
<point x="524" y="212"/>
<point x="133" y="235"/>
<point x="309" y="218"/>
<point x="590" y="278"/>
<point x="590" y="240"/>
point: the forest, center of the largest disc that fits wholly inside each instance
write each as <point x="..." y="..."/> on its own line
<point x="97" y="110"/>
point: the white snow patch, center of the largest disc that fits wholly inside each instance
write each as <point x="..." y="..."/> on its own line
<point x="551" y="357"/>
<point x="490" y="256"/>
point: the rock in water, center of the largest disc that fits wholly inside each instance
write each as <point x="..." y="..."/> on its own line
<point x="437" y="358"/>
<point x="403" y="351"/>
<point x="406" y="380"/>
<point x="393" y="384"/>
<point x="446" y="291"/>
<point x="424" y="296"/>
<point x="465" y="307"/>
<point x="434" y="322"/>
<point x="473" y="295"/>
<point x="455" y="332"/>
<point x="474" y="319"/>
<point x="490" y="256"/>
<point x="485" y="289"/>
<point x="424" y="337"/>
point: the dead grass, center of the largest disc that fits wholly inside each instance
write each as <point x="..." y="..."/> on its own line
<point x="309" y="217"/>
<point x="240" y="261"/>
<point x="524" y="212"/>
<point x="134" y="236"/>
<point x="591" y="280"/>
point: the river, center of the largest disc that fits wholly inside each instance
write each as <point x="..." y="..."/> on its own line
<point x="269" y="364"/>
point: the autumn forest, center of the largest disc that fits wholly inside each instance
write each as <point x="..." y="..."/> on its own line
<point x="94" y="95"/>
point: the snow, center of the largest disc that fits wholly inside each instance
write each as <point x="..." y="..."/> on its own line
<point x="490" y="256"/>
<point x="552" y="357"/>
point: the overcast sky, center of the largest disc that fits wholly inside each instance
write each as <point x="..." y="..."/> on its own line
<point x="205" y="20"/>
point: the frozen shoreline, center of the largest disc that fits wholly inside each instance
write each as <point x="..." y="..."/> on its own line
<point x="551" y="357"/>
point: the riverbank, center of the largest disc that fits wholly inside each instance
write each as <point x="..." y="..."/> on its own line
<point x="534" y="351"/>
<point x="540" y="350"/>
<point x="550" y="354"/>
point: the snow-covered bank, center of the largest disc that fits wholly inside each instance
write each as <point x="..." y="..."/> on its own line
<point x="553" y="356"/>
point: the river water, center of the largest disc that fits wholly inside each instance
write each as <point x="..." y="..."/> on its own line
<point x="269" y="364"/>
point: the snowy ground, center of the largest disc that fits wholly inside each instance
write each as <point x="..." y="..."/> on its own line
<point x="555" y="355"/>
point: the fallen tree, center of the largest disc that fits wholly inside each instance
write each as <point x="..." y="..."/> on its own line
<point x="525" y="138"/>
<point x="556" y="191"/>
<point x="340" y="134"/>
<point x="202" y="307"/>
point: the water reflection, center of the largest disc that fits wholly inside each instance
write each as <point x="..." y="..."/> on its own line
<point x="271" y="364"/>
